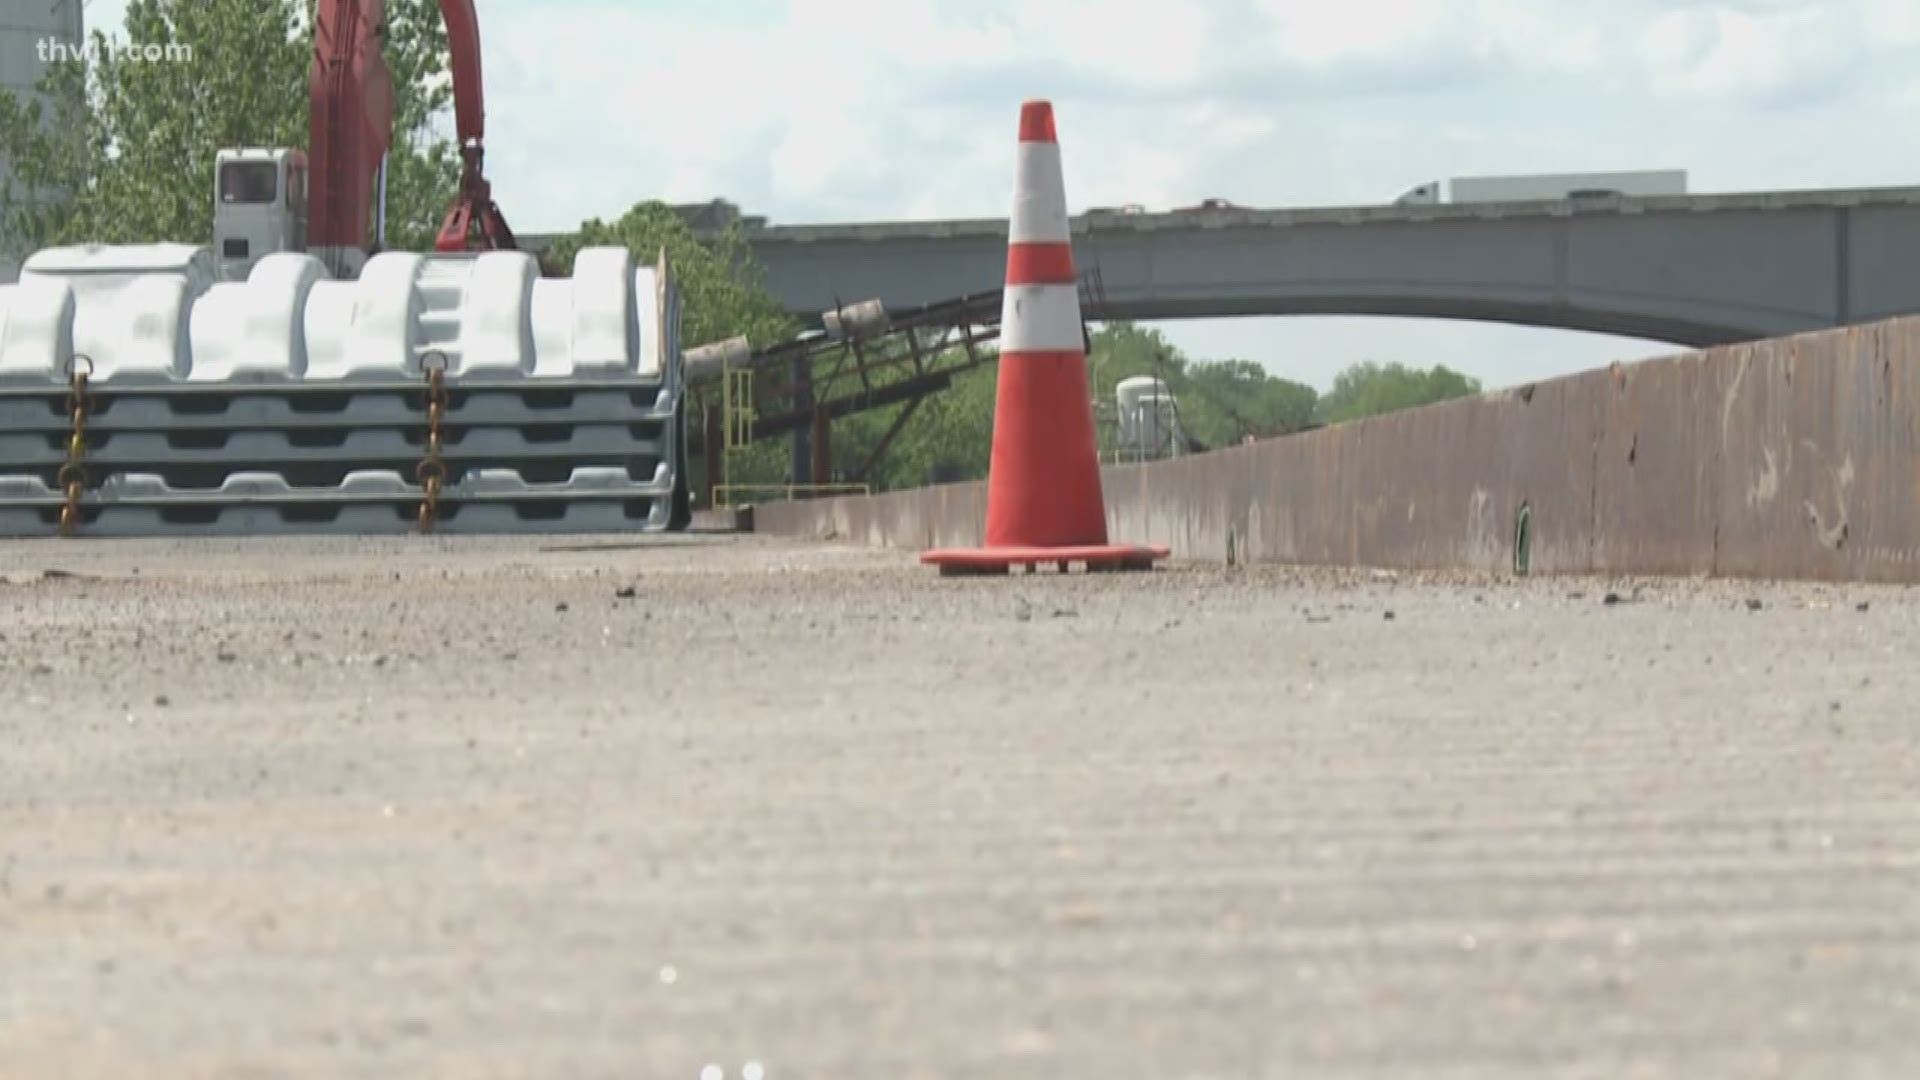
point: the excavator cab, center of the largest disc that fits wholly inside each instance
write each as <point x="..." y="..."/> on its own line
<point x="260" y="207"/>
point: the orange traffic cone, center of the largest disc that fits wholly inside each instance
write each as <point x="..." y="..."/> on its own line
<point x="1044" y="503"/>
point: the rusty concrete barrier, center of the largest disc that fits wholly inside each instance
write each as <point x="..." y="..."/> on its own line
<point x="1790" y="458"/>
<point x="1819" y="476"/>
<point x="1656" y="465"/>
<point x="949" y="515"/>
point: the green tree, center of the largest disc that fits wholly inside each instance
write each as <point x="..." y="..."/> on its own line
<point x="1229" y="400"/>
<point x="951" y="434"/>
<point x="1370" y="389"/>
<point x="722" y="296"/>
<point x="1221" y="402"/>
<point x="720" y="285"/>
<point x="423" y="168"/>
<point x="128" y="148"/>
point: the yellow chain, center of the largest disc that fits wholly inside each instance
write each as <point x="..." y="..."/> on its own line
<point x="432" y="472"/>
<point x="73" y="474"/>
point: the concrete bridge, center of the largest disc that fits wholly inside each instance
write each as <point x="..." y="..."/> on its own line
<point x="1695" y="270"/>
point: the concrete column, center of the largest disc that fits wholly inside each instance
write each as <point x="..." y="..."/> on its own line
<point x="802" y="459"/>
<point x="715" y="424"/>
<point x="822" y="447"/>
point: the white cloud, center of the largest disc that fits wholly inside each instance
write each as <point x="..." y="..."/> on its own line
<point x="1773" y="55"/>
<point x="811" y="110"/>
<point x="826" y="109"/>
<point x="1329" y="37"/>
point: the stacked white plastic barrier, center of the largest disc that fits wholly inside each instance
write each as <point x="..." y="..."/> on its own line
<point x="292" y="402"/>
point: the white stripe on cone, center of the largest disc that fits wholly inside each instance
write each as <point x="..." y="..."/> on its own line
<point x="1041" y="318"/>
<point x="1039" y="196"/>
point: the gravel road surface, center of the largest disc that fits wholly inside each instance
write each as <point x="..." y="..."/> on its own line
<point x="727" y="807"/>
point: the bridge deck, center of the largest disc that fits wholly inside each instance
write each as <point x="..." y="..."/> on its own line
<point x="1696" y="270"/>
<point x="438" y="808"/>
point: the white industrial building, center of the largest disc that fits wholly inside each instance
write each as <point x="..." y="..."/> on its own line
<point x="24" y="24"/>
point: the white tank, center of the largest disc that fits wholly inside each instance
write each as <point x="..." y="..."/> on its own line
<point x="1129" y="391"/>
<point x="1148" y="418"/>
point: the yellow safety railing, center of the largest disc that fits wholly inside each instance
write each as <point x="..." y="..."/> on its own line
<point x="723" y="493"/>
<point x="737" y="408"/>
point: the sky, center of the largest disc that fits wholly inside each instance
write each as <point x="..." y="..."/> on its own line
<point x="859" y="110"/>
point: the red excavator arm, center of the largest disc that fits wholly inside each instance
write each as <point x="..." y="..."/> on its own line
<point x="352" y="121"/>
<point x="474" y="223"/>
<point x="352" y="127"/>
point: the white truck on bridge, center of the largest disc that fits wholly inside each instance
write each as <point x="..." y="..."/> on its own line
<point x="1547" y="188"/>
